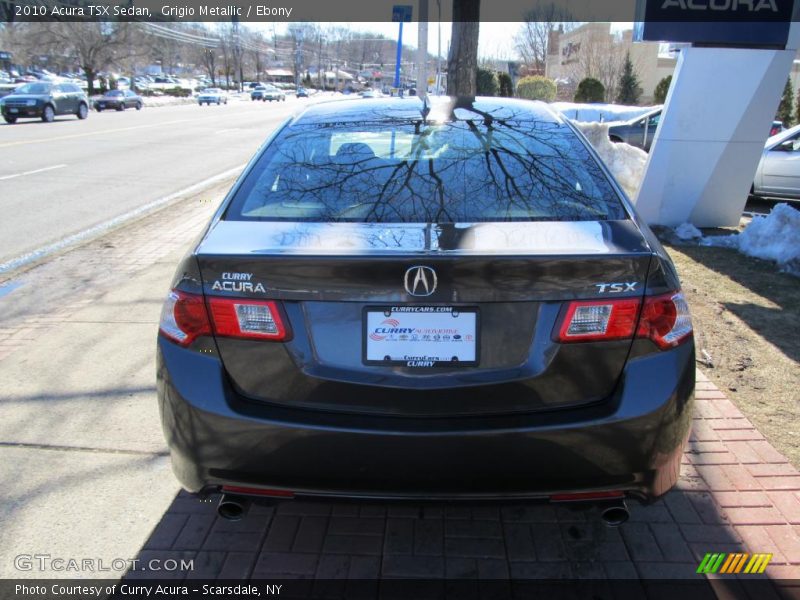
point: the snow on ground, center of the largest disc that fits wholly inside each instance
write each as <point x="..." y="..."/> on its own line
<point x="596" y="113"/>
<point x="167" y="100"/>
<point x="775" y="237"/>
<point x="687" y="231"/>
<point x="625" y="162"/>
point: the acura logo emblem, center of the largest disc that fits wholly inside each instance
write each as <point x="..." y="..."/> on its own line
<point x="420" y="281"/>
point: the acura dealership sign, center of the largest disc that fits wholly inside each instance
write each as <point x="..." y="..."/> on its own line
<point x="725" y="23"/>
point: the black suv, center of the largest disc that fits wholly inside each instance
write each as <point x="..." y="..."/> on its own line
<point x="44" y="100"/>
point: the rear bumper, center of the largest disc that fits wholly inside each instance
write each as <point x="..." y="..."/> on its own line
<point x="631" y="442"/>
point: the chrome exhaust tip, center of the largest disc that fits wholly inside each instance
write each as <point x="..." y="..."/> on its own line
<point x="615" y="514"/>
<point x="233" y="508"/>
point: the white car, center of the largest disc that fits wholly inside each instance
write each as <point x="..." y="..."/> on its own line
<point x="778" y="173"/>
<point x="212" y="96"/>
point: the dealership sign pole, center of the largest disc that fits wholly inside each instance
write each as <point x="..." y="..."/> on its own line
<point x="717" y="114"/>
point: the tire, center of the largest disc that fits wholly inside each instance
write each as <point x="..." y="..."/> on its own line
<point x="138" y="106"/>
<point x="218" y="102"/>
<point x="98" y="109"/>
<point x="614" y="139"/>
<point x="83" y="111"/>
<point x="9" y="119"/>
<point x="48" y="114"/>
<point x="120" y="107"/>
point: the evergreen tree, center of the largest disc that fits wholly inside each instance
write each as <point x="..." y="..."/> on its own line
<point x="590" y="90"/>
<point x="629" y="89"/>
<point x="506" y="85"/>
<point x="660" y="93"/>
<point x="784" y="114"/>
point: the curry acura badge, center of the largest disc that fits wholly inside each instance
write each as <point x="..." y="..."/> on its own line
<point x="420" y="281"/>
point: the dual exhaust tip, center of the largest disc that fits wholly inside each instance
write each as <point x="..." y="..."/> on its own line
<point x="234" y="508"/>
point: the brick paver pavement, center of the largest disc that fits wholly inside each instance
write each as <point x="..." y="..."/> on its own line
<point x="736" y="494"/>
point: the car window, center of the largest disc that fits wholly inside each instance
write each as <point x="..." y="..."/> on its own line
<point x="451" y="172"/>
<point x="790" y="144"/>
<point x="654" y="120"/>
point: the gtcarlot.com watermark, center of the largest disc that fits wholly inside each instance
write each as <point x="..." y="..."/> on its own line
<point x="47" y="562"/>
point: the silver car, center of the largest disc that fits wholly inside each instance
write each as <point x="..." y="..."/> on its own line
<point x="778" y="173"/>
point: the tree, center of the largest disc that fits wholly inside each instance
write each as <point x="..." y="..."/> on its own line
<point x="462" y="61"/>
<point x="536" y="87"/>
<point x="784" y="114"/>
<point x="93" y="45"/>
<point x="660" y="93"/>
<point x="506" y="86"/>
<point x="533" y="38"/>
<point x="629" y="89"/>
<point x="590" y="90"/>
<point x="486" y="83"/>
<point x="797" y="110"/>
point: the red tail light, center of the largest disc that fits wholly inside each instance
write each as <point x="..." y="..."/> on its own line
<point x="664" y="319"/>
<point x="244" y="318"/>
<point x="185" y="317"/>
<point x="599" y="320"/>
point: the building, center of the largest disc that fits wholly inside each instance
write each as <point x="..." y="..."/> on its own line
<point x="593" y="50"/>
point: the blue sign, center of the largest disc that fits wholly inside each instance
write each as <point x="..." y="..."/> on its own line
<point x="737" y="23"/>
<point x="401" y="13"/>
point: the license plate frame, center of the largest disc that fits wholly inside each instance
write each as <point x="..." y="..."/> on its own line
<point x="419" y="315"/>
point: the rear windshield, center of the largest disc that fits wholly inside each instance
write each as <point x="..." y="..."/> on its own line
<point x="406" y="172"/>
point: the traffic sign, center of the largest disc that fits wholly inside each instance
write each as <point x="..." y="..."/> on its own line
<point x="401" y="13"/>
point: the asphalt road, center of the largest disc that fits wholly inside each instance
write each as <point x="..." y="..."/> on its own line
<point x="59" y="179"/>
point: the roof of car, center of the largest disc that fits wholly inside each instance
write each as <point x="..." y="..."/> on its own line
<point x="410" y="108"/>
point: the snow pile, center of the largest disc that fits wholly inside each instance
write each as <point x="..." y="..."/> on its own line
<point x="775" y="236"/>
<point x="625" y="162"/>
<point x="596" y="113"/>
<point x="166" y="100"/>
<point x="687" y="231"/>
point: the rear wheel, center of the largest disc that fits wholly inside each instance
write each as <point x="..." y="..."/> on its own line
<point x="10" y="120"/>
<point x="121" y="106"/>
<point x="615" y="139"/>
<point x="138" y="106"/>
<point x="83" y="111"/>
<point x="48" y="114"/>
<point x="98" y="109"/>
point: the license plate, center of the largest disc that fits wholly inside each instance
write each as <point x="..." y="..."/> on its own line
<point x="421" y="337"/>
<point x="13" y="110"/>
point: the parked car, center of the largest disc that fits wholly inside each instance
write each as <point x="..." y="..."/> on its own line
<point x="45" y="100"/>
<point x="778" y="172"/>
<point x="638" y="131"/>
<point x="118" y="100"/>
<point x="302" y="92"/>
<point x="272" y="93"/>
<point x="776" y="128"/>
<point x="257" y="93"/>
<point x="369" y="94"/>
<point x="460" y="307"/>
<point x="212" y="96"/>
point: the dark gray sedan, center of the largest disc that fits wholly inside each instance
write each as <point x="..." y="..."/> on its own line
<point x="426" y="301"/>
<point x="638" y="132"/>
<point x="118" y="100"/>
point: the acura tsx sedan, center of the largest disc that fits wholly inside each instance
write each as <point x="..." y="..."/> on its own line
<point x="413" y="299"/>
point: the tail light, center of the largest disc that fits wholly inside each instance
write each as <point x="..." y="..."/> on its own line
<point x="185" y="317"/>
<point x="251" y="319"/>
<point x="599" y="320"/>
<point x="663" y="319"/>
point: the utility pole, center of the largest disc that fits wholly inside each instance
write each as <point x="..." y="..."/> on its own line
<point x="422" y="49"/>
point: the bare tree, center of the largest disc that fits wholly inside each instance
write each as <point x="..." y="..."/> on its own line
<point x="598" y="55"/>
<point x="462" y="62"/>
<point x="533" y="38"/>
<point x="93" y="46"/>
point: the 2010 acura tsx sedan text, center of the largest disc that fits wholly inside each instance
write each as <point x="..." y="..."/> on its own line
<point x="446" y="299"/>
